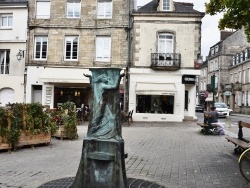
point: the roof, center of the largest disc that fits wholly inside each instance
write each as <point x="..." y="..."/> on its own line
<point x="13" y="2"/>
<point x="179" y="7"/>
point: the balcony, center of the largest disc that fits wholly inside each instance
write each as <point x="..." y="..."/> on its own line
<point x="166" y="61"/>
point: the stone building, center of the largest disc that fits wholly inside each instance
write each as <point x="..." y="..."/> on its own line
<point x="65" y="39"/>
<point x="219" y="60"/>
<point x="13" y="28"/>
<point x="239" y="77"/>
<point x="166" y="43"/>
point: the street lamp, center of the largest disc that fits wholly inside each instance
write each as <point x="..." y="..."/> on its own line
<point x="20" y="55"/>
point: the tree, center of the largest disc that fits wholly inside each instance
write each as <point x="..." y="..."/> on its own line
<point x="236" y="14"/>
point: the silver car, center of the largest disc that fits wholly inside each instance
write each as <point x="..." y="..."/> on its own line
<point x="222" y="109"/>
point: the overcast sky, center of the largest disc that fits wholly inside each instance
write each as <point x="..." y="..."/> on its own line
<point x="210" y="32"/>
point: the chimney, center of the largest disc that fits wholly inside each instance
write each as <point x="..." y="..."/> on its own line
<point x="225" y="34"/>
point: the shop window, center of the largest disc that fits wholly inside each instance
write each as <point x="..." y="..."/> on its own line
<point x="155" y="104"/>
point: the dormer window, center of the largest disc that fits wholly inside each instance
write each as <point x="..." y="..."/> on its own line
<point x="246" y="54"/>
<point x="212" y="51"/>
<point x="237" y="58"/>
<point x="165" y="5"/>
<point x="241" y="57"/>
<point x="233" y="61"/>
<point x="216" y="49"/>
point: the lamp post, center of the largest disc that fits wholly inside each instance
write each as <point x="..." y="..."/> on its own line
<point x="213" y="86"/>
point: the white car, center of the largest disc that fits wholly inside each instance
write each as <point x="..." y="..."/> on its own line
<point x="222" y="109"/>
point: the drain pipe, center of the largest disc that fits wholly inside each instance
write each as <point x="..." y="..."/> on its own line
<point x="127" y="78"/>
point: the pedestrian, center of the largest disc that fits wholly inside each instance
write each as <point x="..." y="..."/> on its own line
<point x="219" y="128"/>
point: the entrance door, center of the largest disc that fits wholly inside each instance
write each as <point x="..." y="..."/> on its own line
<point x="186" y="100"/>
<point x="37" y="93"/>
<point x="7" y="96"/>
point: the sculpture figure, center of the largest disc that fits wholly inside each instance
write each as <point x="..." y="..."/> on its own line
<point x="102" y="162"/>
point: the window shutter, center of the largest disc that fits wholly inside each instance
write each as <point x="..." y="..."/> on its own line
<point x="98" y="48"/>
<point x="101" y="9"/>
<point x="106" y="47"/>
<point x="43" y="9"/>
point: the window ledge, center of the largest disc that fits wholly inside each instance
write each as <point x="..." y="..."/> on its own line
<point x="6" y="28"/>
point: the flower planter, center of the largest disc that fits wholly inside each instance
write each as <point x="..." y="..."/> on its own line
<point x="4" y="145"/>
<point x="61" y="133"/>
<point x="29" y="139"/>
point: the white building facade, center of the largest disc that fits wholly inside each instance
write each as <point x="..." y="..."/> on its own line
<point x="166" y="43"/>
<point x="13" y="32"/>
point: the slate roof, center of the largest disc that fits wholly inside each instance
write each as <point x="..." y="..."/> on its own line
<point x="13" y="2"/>
<point x="179" y="7"/>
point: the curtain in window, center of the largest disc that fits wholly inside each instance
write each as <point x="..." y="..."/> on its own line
<point x="2" y="54"/>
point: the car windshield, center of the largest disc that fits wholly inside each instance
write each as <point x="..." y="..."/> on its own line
<point x="220" y="105"/>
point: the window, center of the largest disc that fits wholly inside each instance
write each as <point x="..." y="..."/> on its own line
<point x="165" y="5"/>
<point x="248" y="78"/>
<point x="165" y="43"/>
<point x="244" y="77"/>
<point x="6" y="20"/>
<point x="216" y="49"/>
<point x="104" y="9"/>
<point x="71" y="48"/>
<point x="233" y="60"/>
<point x="241" y="57"/>
<point x="43" y="9"/>
<point x="232" y="78"/>
<point x="155" y="104"/>
<point x="246" y="54"/>
<point x="212" y="51"/>
<point x="237" y="58"/>
<point x="41" y="47"/>
<point x="73" y="8"/>
<point x="103" y="48"/>
<point x="4" y="61"/>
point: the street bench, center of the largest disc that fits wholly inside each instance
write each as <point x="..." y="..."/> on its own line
<point x="240" y="143"/>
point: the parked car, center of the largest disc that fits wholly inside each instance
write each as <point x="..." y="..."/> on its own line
<point x="199" y="108"/>
<point x="222" y="109"/>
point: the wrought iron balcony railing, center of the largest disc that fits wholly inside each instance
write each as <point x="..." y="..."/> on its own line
<point x="166" y="61"/>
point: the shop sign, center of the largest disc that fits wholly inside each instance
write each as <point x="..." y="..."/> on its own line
<point x="48" y="95"/>
<point x="188" y="79"/>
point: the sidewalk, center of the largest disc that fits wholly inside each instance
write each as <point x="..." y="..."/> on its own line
<point x="171" y="154"/>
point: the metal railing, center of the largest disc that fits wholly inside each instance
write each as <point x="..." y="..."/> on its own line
<point x="166" y="61"/>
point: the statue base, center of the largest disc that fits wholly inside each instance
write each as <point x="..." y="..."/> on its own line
<point x="102" y="165"/>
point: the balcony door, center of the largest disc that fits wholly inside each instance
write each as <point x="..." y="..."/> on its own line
<point x="165" y="48"/>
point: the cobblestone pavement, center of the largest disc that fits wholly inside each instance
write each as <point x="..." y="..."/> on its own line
<point x="170" y="154"/>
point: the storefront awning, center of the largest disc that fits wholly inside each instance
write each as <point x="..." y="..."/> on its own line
<point x="155" y="89"/>
<point x="64" y="75"/>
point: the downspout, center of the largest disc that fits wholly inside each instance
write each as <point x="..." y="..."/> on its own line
<point x="127" y="78"/>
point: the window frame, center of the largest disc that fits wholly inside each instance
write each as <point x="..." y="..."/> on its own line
<point x="71" y="39"/>
<point x="102" y="38"/>
<point x="41" y="49"/>
<point x="166" y="7"/>
<point x="75" y="4"/>
<point x="166" y="40"/>
<point x="7" y="16"/>
<point x="45" y="16"/>
<point x="104" y="14"/>
<point x="6" y="63"/>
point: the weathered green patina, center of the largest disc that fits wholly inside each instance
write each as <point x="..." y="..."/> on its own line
<point x="102" y="163"/>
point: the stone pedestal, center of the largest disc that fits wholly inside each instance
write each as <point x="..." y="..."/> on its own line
<point x="102" y="165"/>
